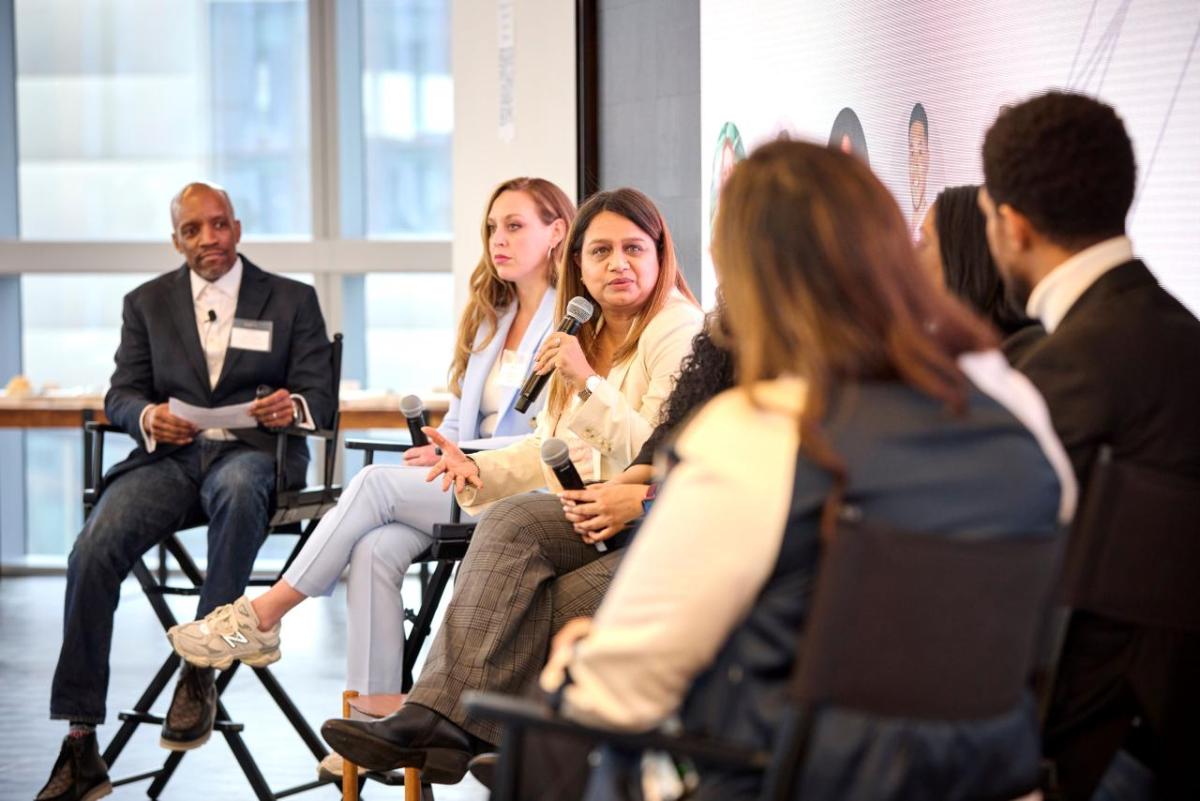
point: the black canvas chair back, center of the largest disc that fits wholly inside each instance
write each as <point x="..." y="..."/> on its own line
<point x="297" y="512"/>
<point x="1134" y="550"/>
<point x="924" y="626"/>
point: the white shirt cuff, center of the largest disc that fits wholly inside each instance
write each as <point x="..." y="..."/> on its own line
<point x="148" y="441"/>
<point x="303" y="415"/>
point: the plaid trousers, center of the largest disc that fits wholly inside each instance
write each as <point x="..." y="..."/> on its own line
<point x="525" y="575"/>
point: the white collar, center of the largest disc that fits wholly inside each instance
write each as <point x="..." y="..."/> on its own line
<point x="1055" y="294"/>
<point x="228" y="284"/>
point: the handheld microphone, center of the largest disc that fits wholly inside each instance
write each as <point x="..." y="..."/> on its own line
<point x="414" y="414"/>
<point x="557" y="456"/>
<point x="579" y="311"/>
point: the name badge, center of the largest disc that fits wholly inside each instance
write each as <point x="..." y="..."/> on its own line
<point x="512" y="369"/>
<point x="251" y="335"/>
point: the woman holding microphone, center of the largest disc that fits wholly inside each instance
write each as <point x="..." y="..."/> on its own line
<point x="386" y="513"/>
<point x="606" y="393"/>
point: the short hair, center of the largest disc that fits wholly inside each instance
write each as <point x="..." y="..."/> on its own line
<point x="918" y="115"/>
<point x="1065" y="161"/>
<point x="177" y="201"/>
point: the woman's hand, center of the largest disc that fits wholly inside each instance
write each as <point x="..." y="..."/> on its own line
<point x="602" y="510"/>
<point x="562" y="649"/>
<point x="454" y="467"/>
<point x="422" y="456"/>
<point x="562" y="352"/>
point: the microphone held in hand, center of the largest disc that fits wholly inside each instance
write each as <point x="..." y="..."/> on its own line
<point x="414" y="414"/>
<point x="557" y="456"/>
<point x="579" y="311"/>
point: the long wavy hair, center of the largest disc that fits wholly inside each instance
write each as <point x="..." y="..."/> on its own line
<point x="705" y="373"/>
<point x="489" y="292"/>
<point x="821" y="282"/>
<point x="641" y="211"/>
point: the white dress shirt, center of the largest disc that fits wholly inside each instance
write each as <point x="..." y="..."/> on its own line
<point x="214" y="304"/>
<point x="1054" y="296"/>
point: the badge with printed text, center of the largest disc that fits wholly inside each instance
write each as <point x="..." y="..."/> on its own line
<point x="251" y="335"/>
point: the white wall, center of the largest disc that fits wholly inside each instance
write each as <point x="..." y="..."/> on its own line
<point x="543" y="144"/>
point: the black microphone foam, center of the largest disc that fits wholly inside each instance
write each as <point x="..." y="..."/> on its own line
<point x="212" y="316"/>
<point x="579" y="311"/>
<point x="414" y="415"/>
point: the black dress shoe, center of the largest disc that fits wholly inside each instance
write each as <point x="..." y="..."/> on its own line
<point x="189" y="721"/>
<point x="413" y="737"/>
<point x="79" y="774"/>
<point x="483" y="768"/>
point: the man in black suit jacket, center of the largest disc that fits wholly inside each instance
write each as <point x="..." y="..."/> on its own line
<point x="209" y="333"/>
<point x="1120" y="367"/>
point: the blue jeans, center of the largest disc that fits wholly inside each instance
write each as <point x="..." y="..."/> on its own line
<point x="230" y="483"/>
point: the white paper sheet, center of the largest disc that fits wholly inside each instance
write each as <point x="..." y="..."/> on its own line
<point x="235" y="416"/>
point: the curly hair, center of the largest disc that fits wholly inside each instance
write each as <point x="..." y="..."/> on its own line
<point x="706" y="372"/>
<point x="1065" y="161"/>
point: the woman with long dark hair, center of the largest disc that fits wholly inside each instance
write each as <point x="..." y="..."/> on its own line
<point x="952" y="249"/>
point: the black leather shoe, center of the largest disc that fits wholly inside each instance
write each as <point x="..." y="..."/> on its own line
<point x="189" y="721"/>
<point x="483" y="768"/>
<point x="413" y="737"/>
<point x="79" y="773"/>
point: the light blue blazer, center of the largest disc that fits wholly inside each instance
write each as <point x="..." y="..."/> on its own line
<point x="462" y="420"/>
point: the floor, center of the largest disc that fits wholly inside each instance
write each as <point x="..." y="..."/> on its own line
<point x="311" y="670"/>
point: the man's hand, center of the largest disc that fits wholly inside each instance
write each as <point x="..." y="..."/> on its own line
<point x="275" y="410"/>
<point x="169" y="429"/>
<point x="454" y="467"/>
<point x="424" y="456"/>
<point x="603" y="510"/>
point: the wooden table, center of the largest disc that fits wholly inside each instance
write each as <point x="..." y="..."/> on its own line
<point x="358" y="412"/>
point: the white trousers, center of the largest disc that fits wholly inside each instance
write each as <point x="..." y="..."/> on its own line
<point x="382" y="522"/>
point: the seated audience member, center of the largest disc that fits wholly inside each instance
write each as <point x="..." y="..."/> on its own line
<point x="183" y="335"/>
<point x="953" y="249"/>
<point x="1120" y="367"/>
<point x="858" y="390"/>
<point x="386" y="515"/>
<point x="528" y="567"/>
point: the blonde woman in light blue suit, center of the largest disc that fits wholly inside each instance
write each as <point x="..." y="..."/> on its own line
<point x="386" y="513"/>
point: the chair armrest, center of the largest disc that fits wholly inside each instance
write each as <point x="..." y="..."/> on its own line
<point x="101" y="428"/>
<point x="522" y="713"/>
<point x="387" y="446"/>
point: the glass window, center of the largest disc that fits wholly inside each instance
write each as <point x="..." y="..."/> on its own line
<point x="408" y="116"/>
<point x="121" y="103"/>
<point x="410" y="330"/>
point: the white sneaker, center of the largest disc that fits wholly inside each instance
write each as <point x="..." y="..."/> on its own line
<point x="226" y="633"/>
<point x="331" y="767"/>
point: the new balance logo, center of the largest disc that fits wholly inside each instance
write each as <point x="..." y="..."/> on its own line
<point x="236" y="637"/>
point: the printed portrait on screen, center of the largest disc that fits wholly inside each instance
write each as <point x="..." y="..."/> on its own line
<point x="918" y="160"/>
<point x="847" y="134"/>
<point x="728" y="152"/>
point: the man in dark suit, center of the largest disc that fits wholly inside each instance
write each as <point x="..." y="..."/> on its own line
<point x="1120" y="367"/>
<point x="209" y="333"/>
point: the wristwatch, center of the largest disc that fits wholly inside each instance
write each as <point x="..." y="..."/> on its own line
<point x="589" y="386"/>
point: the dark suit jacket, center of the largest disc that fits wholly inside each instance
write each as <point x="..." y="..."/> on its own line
<point x="160" y="356"/>
<point x="1123" y="368"/>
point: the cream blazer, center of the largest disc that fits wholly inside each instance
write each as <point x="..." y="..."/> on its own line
<point x="607" y="430"/>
